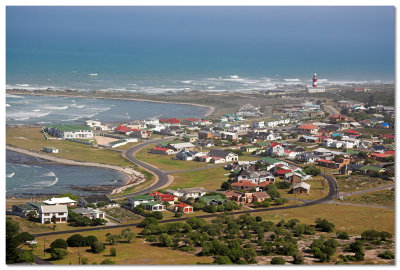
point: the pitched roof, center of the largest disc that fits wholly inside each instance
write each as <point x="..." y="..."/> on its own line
<point x="53" y="208"/>
<point x="59" y="200"/>
<point x="308" y="126"/>
<point x="183" y="205"/>
<point x="142" y="197"/>
<point x="261" y="195"/>
<point x="161" y="149"/>
<point x="244" y="183"/>
<point x="302" y="185"/>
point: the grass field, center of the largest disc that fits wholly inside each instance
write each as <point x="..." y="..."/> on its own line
<point x="352" y="219"/>
<point x="353" y="183"/>
<point x="210" y="179"/>
<point x="33" y="139"/>
<point x="382" y="197"/>
<point x="137" y="252"/>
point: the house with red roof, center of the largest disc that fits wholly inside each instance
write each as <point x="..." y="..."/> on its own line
<point x="275" y="149"/>
<point x="184" y="208"/>
<point x="170" y="121"/>
<point x="389" y="137"/>
<point x="245" y="185"/>
<point x="162" y="151"/>
<point x="123" y="130"/>
<point x="352" y="133"/>
<point x="308" y="129"/>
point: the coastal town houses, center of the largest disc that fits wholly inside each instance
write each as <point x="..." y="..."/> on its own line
<point x="137" y="200"/>
<point x="70" y="132"/>
<point x="89" y="212"/>
<point x="187" y="192"/>
<point x="161" y="197"/>
<point x="307" y="157"/>
<point x="97" y="199"/>
<point x="307" y="129"/>
<point x="183" y="208"/>
<point x="246" y="197"/>
<point x="187" y="155"/>
<point x="58" y="213"/>
<point x="275" y="149"/>
<point x="162" y="151"/>
<point x="22" y="210"/>
<point x="212" y="200"/>
<point x="61" y="201"/>
<point x="301" y="188"/>
<point x="153" y="206"/>
<point x="228" y="156"/>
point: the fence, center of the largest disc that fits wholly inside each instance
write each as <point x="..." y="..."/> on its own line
<point x="79" y="141"/>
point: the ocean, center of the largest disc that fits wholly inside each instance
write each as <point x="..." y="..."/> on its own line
<point x="30" y="176"/>
<point x="47" y="110"/>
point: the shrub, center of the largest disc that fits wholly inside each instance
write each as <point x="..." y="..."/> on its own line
<point x="324" y="225"/>
<point x="370" y="235"/>
<point x="356" y="246"/>
<point x="342" y="235"/>
<point x="151" y="238"/>
<point x="165" y="240"/>
<point x="226" y="186"/>
<point x="26" y="256"/>
<point x="198" y="206"/>
<point x="23" y="237"/>
<point x="59" y="243"/>
<point x="280" y="201"/>
<point x="58" y="253"/>
<point x="258" y="218"/>
<point x="359" y="256"/>
<point x="90" y="239"/>
<point x="178" y="214"/>
<point x="97" y="247"/>
<point x="147" y="221"/>
<point x="298" y="258"/>
<point x="277" y="260"/>
<point x="222" y="260"/>
<point x="107" y="261"/>
<point x="385" y="235"/>
<point x="282" y="185"/>
<point x="84" y="261"/>
<point x="211" y="208"/>
<point x="98" y="222"/>
<point x="157" y="214"/>
<point x="386" y="255"/>
<point x="76" y="240"/>
<point x="113" y="252"/>
<point x="128" y="235"/>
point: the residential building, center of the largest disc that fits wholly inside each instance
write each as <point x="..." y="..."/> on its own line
<point x="301" y="188"/>
<point x="184" y="208"/>
<point x="139" y="199"/>
<point x="153" y="206"/>
<point x="228" y="156"/>
<point x="61" y="201"/>
<point x="307" y="129"/>
<point x="89" y="212"/>
<point x="47" y="212"/>
<point x="70" y="132"/>
<point x="162" y="151"/>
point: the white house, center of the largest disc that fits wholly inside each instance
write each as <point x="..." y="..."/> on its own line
<point x="258" y="124"/>
<point x="228" y="156"/>
<point x="70" y="132"/>
<point x="60" y="201"/>
<point x="47" y="212"/>
<point x="187" y="192"/>
<point x="89" y="212"/>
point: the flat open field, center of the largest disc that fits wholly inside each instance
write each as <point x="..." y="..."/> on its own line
<point x="352" y="219"/>
<point x="353" y="183"/>
<point x="210" y="179"/>
<point x="381" y="197"/>
<point x="137" y="252"/>
<point x="32" y="139"/>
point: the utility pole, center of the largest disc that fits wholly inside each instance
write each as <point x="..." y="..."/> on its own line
<point x="44" y="246"/>
<point x="79" y="257"/>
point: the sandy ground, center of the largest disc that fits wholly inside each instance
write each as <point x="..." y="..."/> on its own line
<point x="104" y="140"/>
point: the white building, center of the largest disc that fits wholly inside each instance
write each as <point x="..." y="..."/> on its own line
<point x="258" y="124"/>
<point x="47" y="212"/>
<point x="60" y="201"/>
<point x="89" y="212"/>
<point x="70" y="132"/>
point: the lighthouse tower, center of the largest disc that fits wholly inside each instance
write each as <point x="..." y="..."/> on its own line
<point x="314" y="80"/>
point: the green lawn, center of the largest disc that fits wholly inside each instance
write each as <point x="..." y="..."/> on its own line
<point x="210" y="179"/>
<point x="382" y="197"/>
<point x="33" y="139"/>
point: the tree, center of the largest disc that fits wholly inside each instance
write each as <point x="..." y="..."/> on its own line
<point x="58" y="253"/>
<point x="128" y="235"/>
<point x="59" y="243"/>
<point x="178" y="214"/>
<point x="250" y="255"/>
<point x="211" y="208"/>
<point x="222" y="260"/>
<point x="386" y="255"/>
<point x="12" y="253"/>
<point x="277" y="260"/>
<point x="97" y="247"/>
<point x="282" y="185"/>
<point x="258" y="218"/>
<point x="165" y="240"/>
<point x="342" y="235"/>
<point x="112" y="238"/>
<point x="84" y="261"/>
<point x="148" y="221"/>
<point x="26" y="256"/>
<point x="157" y="214"/>
<point x="76" y="240"/>
<point x="324" y="225"/>
<point x="54" y="221"/>
<point x="311" y="170"/>
<point x="113" y="252"/>
<point x="90" y="239"/>
<point x="98" y="221"/>
<point x="226" y="186"/>
<point x="101" y="204"/>
<point x="273" y="192"/>
<point x="198" y="206"/>
<point x="298" y="258"/>
<point x="370" y="235"/>
<point x="23" y="237"/>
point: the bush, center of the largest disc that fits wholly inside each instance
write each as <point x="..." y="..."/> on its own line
<point x="222" y="260"/>
<point x="324" y="225"/>
<point x="113" y="252"/>
<point x="311" y="170"/>
<point x="385" y="235"/>
<point x="165" y="240"/>
<point x="128" y="235"/>
<point x="258" y="218"/>
<point x="23" y="237"/>
<point x="59" y="243"/>
<point x="26" y="256"/>
<point x="281" y="201"/>
<point x="108" y="261"/>
<point x="298" y="259"/>
<point x="58" y="253"/>
<point x="359" y="256"/>
<point x="342" y="235"/>
<point x="198" y="206"/>
<point x="277" y="260"/>
<point x="90" y="239"/>
<point x="211" y="208"/>
<point x="370" y="235"/>
<point x="273" y="192"/>
<point x="151" y="238"/>
<point x="282" y="185"/>
<point x="76" y="240"/>
<point x="148" y="221"/>
<point x="98" y="222"/>
<point x="97" y="247"/>
<point x="226" y="186"/>
<point x="84" y="261"/>
<point x="178" y="214"/>
<point x="157" y="214"/>
<point x="386" y="255"/>
<point x="356" y="246"/>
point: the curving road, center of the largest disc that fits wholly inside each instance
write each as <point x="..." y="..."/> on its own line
<point x="333" y="193"/>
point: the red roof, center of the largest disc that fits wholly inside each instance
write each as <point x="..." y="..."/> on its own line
<point x="390" y="152"/>
<point x="287" y="151"/>
<point x="387" y="136"/>
<point x="352" y="131"/>
<point x="161" y="149"/>
<point x="244" y="183"/>
<point x="171" y="121"/>
<point x="380" y="155"/>
<point x="273" y="144"/>
<point x="283" y="171"/>
<point x="123" y="129"/>
<point x="325" y="161"/>
<point x="156" y="193"/>
<point x="183" y="205"/>
<point x="308" y="126"/>
<point x="265" y="183"/>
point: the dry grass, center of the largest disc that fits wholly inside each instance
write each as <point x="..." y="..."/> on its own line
<point x="382" y="197"/>
<point x="210" y="179"/>
<point x="353" y="183"/>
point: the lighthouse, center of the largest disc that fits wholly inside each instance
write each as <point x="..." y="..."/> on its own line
<point x="314" y="80"/>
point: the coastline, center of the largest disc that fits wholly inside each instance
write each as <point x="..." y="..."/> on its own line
<point x="130" y="176"/>
<point x="209" y="109"/>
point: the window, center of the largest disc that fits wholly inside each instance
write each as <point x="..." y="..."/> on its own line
<point x="60" y="214"/>
<point x="47" y="214"/>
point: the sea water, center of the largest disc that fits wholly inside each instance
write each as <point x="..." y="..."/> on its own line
<point x="31" y="176"/>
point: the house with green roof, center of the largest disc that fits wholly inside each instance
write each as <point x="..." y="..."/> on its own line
<point x="139" y="199"/>
<point x="270" y="160"/>
<point x="213" y="199"/>
<point x="70" y="132"/>
<point x="23" y="209"/>
<point x="248" y="149"/>
<point x="371" y="170"/>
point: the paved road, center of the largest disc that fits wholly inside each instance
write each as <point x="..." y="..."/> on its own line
<point x="345" y="194"/>
<point x="333" y="192"/>
<point x="162" y="177"/>
<point x="331" y="110"/>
